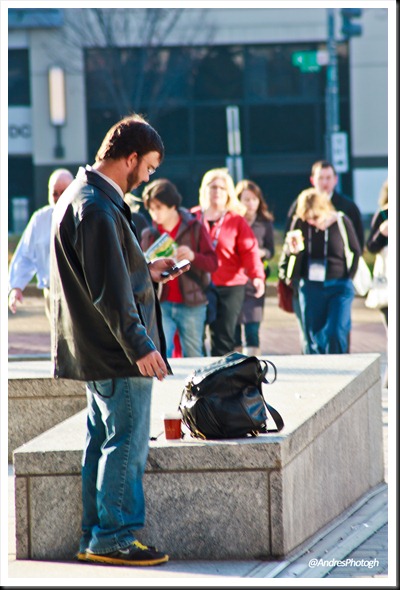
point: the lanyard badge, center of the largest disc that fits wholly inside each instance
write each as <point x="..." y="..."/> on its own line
<point x="317" y="266"/>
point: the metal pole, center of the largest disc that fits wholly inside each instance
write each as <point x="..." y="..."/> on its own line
<point x="332" y="89"/>
<point x="234" y="160"/>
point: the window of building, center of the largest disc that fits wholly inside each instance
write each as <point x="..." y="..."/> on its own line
<point x="19" y="93"/>
<point x="288" y="128"/>
<point x="210" y="135"/>
<point x="20" y="190"/>
<point x="219" y="74"/>
<point x="173" y="126"/>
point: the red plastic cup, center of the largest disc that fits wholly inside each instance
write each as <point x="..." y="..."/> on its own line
<point x="172" y="426"/>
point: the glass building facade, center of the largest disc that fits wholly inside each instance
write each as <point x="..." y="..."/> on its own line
<point x="184" y="92"/>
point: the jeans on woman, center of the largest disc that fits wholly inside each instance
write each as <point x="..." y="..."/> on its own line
<point x="114" y="459"/>
<point x="189" y="321"/>
<point x="251" y="333"/>
<point x="326" y="315"/>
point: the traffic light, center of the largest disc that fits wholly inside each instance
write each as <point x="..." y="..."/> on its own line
<point x="350" y="29"/>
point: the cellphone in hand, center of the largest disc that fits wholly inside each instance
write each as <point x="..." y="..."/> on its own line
<point x="176" y="268"/>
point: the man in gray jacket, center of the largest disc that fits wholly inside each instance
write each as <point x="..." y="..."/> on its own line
<point x="107" y="331"/>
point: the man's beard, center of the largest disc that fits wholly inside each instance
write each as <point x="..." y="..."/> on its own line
<point x="132" y="179"/>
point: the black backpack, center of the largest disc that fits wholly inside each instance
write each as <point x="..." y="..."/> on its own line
<point x="225" y="399"/>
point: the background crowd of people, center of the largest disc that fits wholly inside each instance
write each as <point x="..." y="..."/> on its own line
<point x="229" y="240"/>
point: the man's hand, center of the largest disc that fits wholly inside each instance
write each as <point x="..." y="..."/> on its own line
<point x="159" y="265"/>
<point x="153" y="365"/>
<point x="14" y="296"/>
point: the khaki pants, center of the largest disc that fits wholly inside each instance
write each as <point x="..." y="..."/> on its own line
<point x="46" y="294"/>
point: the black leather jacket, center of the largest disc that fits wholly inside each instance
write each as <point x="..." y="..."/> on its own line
<point x="105" y="314"/>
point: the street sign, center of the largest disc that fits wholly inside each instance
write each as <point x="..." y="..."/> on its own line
<point x="340" y="158"/>
<point x="306" y="61"/>
<point x="310" y="61"/>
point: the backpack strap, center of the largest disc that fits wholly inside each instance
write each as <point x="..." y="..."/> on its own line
<point x="279" y="423"/>
<point x="265" y="371"/>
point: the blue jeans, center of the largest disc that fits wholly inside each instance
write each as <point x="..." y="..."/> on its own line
<point x="189" y="321"/>
<point x="114" y="459"/>
<point x="251" y="333"/>
<point x="326" y="315"/>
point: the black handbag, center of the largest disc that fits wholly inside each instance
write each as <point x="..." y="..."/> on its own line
<point x="225" y="399"/>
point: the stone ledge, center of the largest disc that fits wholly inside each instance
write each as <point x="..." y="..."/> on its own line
<point x="37" y="402"/>
<point x="328" y="455"/>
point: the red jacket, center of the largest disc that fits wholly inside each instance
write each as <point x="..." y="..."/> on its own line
<point x="236" y="248"/>
<point x="193" y="234"/>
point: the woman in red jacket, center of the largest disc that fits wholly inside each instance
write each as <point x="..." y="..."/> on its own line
<point x="237" y="252"/>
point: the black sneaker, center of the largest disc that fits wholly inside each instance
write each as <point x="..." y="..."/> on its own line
<point x="135" y="554"/>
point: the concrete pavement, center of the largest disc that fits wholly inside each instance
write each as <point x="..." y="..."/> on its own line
<point x="355" y="545"/>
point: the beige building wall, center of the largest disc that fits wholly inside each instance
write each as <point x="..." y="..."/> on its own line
<point x="42" y="56"/>
<point x="369" y="107"/>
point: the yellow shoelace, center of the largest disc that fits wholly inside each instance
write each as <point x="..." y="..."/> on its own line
<point x="139" y="545"/>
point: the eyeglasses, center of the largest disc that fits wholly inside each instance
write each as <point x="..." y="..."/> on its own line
<point x="216" y="187"/>
<point x="150" y="169"/>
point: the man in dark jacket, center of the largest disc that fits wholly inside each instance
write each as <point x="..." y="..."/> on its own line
<point x="107" y="331"/>
<point x="324" y="178"/>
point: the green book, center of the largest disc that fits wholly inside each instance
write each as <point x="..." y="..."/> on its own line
<point x="163" y="247"/>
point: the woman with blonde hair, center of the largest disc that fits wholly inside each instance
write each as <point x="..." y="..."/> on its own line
<point x="207" y="198"/>
<point x="237" y="251"/>
<point x="326" y="291"/>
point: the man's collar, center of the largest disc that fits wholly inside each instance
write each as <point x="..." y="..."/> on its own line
<point x="107" y="179"/>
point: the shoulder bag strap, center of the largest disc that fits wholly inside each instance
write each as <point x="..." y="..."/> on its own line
<point x="347" y="252"/>
<point x="279" y="423"/>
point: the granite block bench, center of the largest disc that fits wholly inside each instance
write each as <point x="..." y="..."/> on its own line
<point x="36" y="401"/>
<point x="234" y="499"/>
